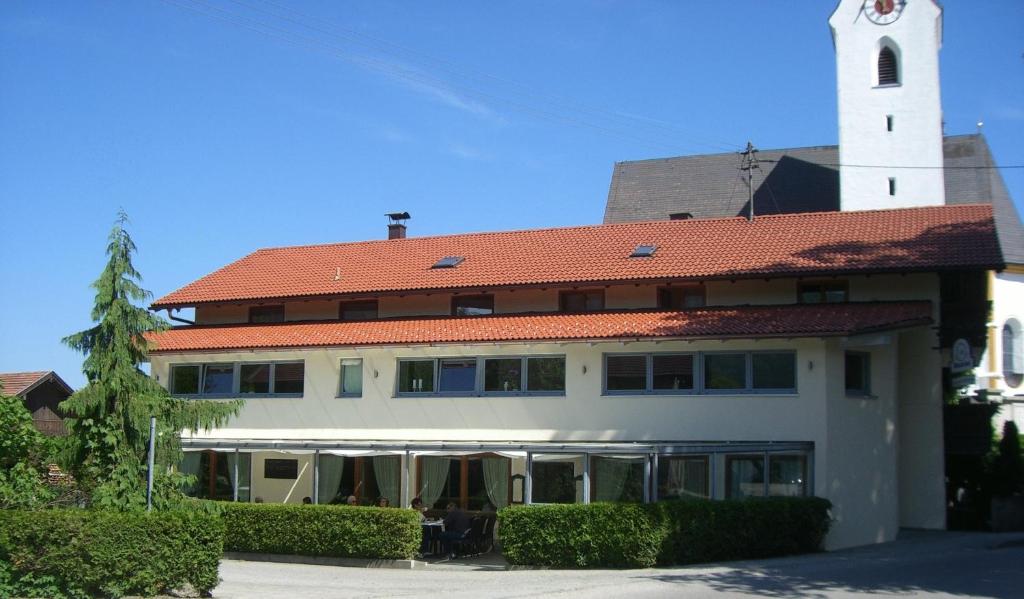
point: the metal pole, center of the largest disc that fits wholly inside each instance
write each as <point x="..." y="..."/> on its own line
<point x="406" y="480"/>
<point x="149" y="473"/>
<point x="528" y="480"/>
<point x="586" y="478"/>
<point x="654" y="478"/>
<point x="316" y="476"/>
<point x="234" y="478"/>
<point x="647" y="478"/>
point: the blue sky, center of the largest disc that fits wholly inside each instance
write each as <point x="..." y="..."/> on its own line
<point x="222" y="126"/>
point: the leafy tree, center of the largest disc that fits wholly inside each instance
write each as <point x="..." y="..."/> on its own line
<point x="1008" y="467"/>
<point x="22" y="449"/>
<point x="109" y="418"/>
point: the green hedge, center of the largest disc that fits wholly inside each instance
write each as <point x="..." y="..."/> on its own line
<point x="86" y="553"/>
<point x="321" y="530"/>
<point x="669" y="532"/>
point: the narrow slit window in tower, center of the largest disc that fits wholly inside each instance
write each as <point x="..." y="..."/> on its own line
<point x="888" y="123"/>
<point x="892" y="186"/>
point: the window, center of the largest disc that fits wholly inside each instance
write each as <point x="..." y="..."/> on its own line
<point x="472" y="305"/>
<point x="644" y="251"/>
<point x="361" y="310"/>
<point x="416" y="376"/>
<point x="743" y="372"/>
<point x="457" y="375"/>
<point x="501" y="375"/>
<point x="553" y="481"/>
<point x="858" y="373"/>
<point x="582" y="301"/>
<point x="888" y="69"/>
<point x="682" y="297"/>
<point x="287" y="469"/>
<point x="619" y="478"/>
<point x="892" y="186"/>
<point x="888" y="123"/>
<point x="263" y="314"/>
<point x="351" y="384"/>
<point x="1013" y="354"/>
<point x="215" y="474"/>
<point x="682" y="477"/>
<point x="822" y="292"/>
<point x="266" y="378"/>
<point x="448" y="262"/>
<point x="745" y="476"/>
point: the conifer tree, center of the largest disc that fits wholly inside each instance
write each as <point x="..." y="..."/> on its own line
<point x="109" y="417"/>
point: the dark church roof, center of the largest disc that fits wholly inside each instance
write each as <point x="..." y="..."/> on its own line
<point x="794" y="180"/>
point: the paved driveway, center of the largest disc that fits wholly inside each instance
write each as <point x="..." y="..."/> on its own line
<point x="920" y="564"/>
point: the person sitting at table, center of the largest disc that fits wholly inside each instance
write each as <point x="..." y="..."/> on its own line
<point x="456" y="523"/>
<point x="383" y="502"/>
<point x="417" y="504"/>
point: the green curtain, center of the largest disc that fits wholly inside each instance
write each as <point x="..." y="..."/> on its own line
<point x="496" y="481"/>
<point x="331" y="469"/>
<point x="388" y="470"/>
<point x="190" y="465"/>
<point x="610" y="474"/>
<point x="435" y="475"/>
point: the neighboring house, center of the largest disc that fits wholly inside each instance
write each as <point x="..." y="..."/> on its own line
<point x="893" y="154"/>
<point x="791" y="355"/>
<point x="42" y="393"/>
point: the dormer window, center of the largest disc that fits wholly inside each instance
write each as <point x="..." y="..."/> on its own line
<point x="264" y="314"/>
<point x="448" y="262"/>
<point x="888" y="69"/>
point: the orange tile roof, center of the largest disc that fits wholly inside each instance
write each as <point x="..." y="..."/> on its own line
<point x="800" y="320"/>
<point x="910" y="239"/>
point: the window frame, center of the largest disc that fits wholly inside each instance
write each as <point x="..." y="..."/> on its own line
<point x="236" y="380"/>
<point x="478" y="388"/>
<point x="266" y="308"/>
<point x="455" y="299"/>
<point x="343" y="304"/>
<point x="835" y="284"/>
<point x="865" y="388"/>
<point x="341" y="378"/>
<point x="699" y="384"/>
<point x="567" y="292"/>
<point x="665" y="294"/>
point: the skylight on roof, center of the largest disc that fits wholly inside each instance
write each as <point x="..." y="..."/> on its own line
<point x="448" y="262"/>
<point x="643" y="251"/>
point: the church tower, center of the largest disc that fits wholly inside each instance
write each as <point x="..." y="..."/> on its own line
<point x="890" y="111"/>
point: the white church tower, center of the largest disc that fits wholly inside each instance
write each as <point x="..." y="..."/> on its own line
<point x="890" y="111"/>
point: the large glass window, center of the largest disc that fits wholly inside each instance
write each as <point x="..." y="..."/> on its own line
<point x="787" y="475"/>
<point x="1013" y="354"/>
<point x="214" y="474"/>
<point x="361" y="310"/>
<point x="617" y="478"/>
<point x="773" y="371"/>
<point x="590" y="300"/>
<point x="682" y="477"/>
<point x="554" y="481"/>
<point x="457" y="375"/>
<point x="626" y="373"/>
<point x="822" y="292"/>
<point x="513" y="375"/>
<point x="416" y="376"/>
<point x="681" y="297"/>
<point x="288" y="377"/>
<point x="185" y="379"/>
<point x="744" y="476"/>
<point x="351" y="377"/>
<point x="266" y="378"/>
<point x="254" y="378"/>
<point x="264" y="314"/>
<point x="472" y="305"/>
<point x="725" y="371"/>
<point x="218" y="379"/>
<point x="672" y="372"/>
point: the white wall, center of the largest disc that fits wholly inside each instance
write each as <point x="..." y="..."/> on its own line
<point x="915" y="105"/>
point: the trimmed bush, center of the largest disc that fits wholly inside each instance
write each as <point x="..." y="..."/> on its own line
<point x="321" y="530"/>
<point x="669" y="532"/>
<point x="579" y="536"/>
<point x="86" y="553"/>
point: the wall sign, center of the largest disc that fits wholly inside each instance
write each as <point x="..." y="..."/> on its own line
<point x="961" y="360"/>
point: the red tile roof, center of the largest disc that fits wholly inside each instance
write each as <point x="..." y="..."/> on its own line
<point x="806" y="320"/>
<point x="904" y="240"/>
<point x="15" y="383"/>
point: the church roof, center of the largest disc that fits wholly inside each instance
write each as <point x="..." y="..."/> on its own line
<point x="794" y="180"/>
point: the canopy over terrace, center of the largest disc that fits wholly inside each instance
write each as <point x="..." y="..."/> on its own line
<point x="649" y="454"/>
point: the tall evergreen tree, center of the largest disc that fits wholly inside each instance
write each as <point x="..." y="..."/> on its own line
<point x="109" y="417"/>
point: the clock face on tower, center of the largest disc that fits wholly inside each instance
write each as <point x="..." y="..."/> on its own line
<point x="883" y="12"/>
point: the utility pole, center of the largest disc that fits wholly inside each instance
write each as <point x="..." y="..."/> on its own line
<point x="748" y="164"/>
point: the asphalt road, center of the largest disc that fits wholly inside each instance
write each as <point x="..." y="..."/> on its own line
<point x="921" y="564"/>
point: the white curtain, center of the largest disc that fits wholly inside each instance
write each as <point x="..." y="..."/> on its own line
<point x="496" y="481"/>
<point x="232" y="462"/>
<point x="190" y="465"/>
<point x="435" y="475"/>
<point x="676" y="478"/>
<point x="611" y="478"/>
<point x="331" y="469"/>
<point x="388" y="469"/>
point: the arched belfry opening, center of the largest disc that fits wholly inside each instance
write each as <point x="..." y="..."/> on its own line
<point x="888" y="64"/>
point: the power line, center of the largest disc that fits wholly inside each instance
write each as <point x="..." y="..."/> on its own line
<point x="890" y="166"/>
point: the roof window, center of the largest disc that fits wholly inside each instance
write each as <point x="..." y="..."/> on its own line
<point x="643" y="251"/>
<point x="448" y="262"/>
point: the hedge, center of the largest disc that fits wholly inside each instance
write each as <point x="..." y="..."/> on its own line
<point x="669" y="532"/>
<point x="87" y="553"/>
<point x="321" y="530"/>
